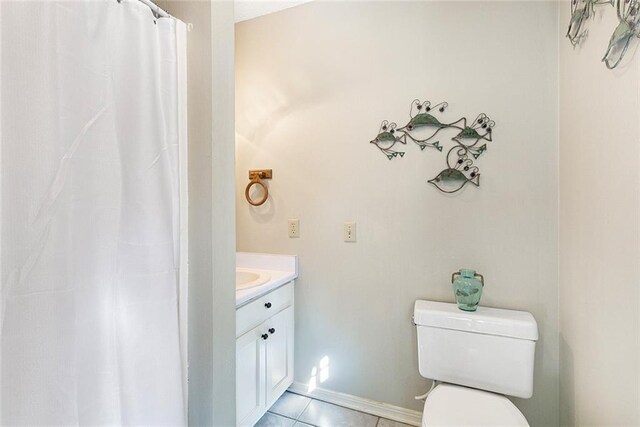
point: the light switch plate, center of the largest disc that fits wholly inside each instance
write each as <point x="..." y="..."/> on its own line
<point x="349" y="231"/>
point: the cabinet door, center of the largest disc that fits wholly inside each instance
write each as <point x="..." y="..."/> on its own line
<point x="279" y="354"/>
<point x="250" y="377"/>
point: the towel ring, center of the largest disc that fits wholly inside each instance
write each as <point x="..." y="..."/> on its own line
<point x="256" y="177"/>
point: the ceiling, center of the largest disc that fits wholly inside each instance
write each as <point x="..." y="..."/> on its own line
<point x="249" y="9"/>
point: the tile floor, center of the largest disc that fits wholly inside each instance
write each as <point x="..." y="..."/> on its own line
<point x="300" y="411"/>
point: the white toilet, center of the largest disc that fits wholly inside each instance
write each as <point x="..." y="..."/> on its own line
<point x="479" y="357"/>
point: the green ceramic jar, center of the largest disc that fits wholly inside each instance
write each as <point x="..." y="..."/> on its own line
<point x="467" y="287"/>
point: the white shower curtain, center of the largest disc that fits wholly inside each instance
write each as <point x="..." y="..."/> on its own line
<point x="90" y="133"/>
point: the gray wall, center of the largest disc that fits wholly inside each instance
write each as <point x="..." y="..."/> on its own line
<point x="599" y="230"/>
<point x="314" y="83"/>
<point x="211" y="210"/>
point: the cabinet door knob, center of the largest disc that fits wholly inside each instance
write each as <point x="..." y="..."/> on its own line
<point x="268" y="305"/>
<point x="265" y="336"/>
<point x="272" y="330"/>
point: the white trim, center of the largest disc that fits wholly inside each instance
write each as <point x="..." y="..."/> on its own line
<point x="183" y="163"/>
<point x="379" y="409"/>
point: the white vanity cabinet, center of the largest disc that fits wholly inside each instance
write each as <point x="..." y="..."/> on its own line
<point x="264" y="353"/>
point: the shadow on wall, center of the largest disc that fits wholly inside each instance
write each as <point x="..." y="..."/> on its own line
<point x="567" y="391"/>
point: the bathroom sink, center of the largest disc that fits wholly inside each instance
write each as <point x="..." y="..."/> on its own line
<point x="246" y="278"/>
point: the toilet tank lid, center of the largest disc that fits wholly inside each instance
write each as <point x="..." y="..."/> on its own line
<point x="485" y="320"/>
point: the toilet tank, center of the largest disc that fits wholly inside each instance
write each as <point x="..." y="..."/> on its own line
<point x="489" y="349"/>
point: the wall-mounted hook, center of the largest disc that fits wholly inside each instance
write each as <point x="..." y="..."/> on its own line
<point x="256" y="177"/>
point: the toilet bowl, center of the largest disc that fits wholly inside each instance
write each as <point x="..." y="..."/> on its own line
<point x="453" y="405"/>
<point x="478" y="358"/>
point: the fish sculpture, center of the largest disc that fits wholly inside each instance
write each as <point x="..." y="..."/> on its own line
<point x="451" y="180"/>
<point x="581" y="12"/>
<point x="470" y="142"/>
<point x="387" y="139"/>
<point x="460" y="171"/>
<point x="627" y="29"/>
<point x="423" y="125"/>
<point x="479" y="130"/>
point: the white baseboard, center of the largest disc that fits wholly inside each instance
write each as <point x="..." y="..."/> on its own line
<point x="380" y="409"/>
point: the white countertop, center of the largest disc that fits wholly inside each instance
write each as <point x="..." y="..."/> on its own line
<point x="281" y="268"/>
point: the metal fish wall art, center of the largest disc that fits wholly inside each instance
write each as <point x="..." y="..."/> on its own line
<point x="470" y="136"/>
<point x="627" y="30"/>
<point x="387" y="139"/>
<point x="423" y="125"/>
<point x="460" y="171"/>
<point x="470" y="142"/>
<point x="582" y="11"/>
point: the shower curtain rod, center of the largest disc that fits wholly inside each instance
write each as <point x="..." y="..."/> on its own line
<point x="157" y="11"/>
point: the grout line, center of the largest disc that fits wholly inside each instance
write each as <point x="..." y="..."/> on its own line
<point x="305" y="408"/>
<point x="298" y="418"/>
<point x="339" y="406"/>
<point x="311" y="399"/>
<point x="280" y="415"/>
